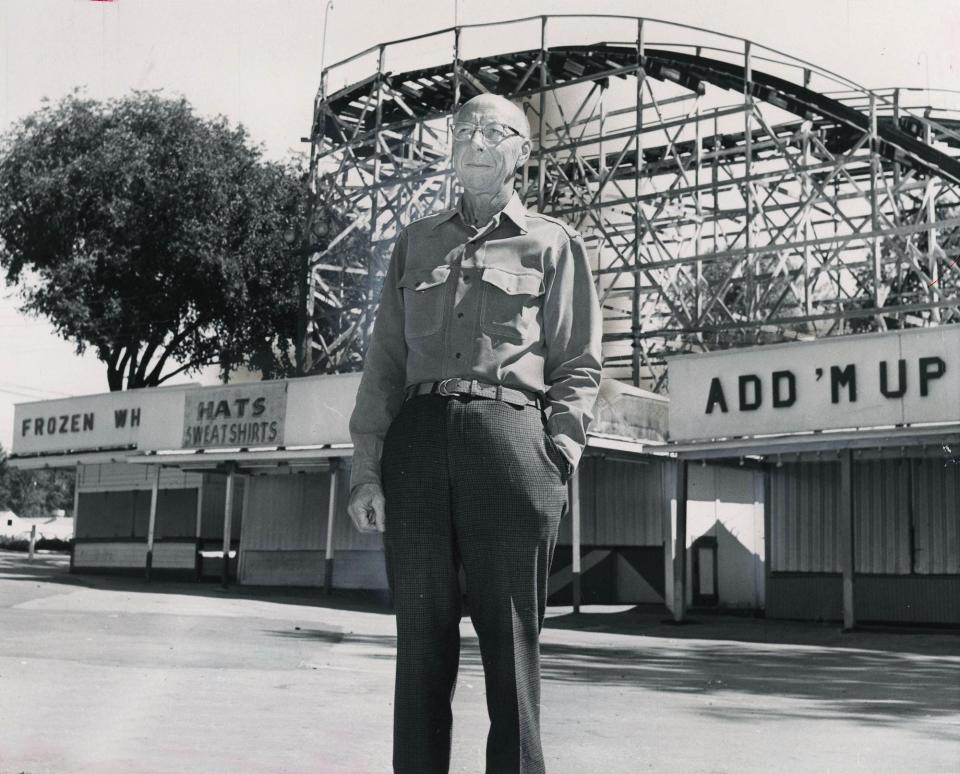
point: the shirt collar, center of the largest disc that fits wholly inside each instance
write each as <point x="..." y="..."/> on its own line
<point x="516" y="212"/>
<point x="513" y="209"/>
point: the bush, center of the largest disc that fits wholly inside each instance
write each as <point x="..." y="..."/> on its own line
<point x="42" y="544"/>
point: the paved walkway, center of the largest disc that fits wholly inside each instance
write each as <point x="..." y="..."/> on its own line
<point x="112" y="675"/>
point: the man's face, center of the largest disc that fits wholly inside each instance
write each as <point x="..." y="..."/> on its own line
<point x="482" y="168"/>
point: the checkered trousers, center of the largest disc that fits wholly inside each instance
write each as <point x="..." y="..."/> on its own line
<point x="474" y="482"/>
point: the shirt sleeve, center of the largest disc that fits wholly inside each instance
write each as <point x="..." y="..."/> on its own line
<point x="573" y="328"/>
<point x="380" y="394"/>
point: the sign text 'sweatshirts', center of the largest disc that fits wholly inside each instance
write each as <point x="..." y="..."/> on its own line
<point x="241" y="416"/>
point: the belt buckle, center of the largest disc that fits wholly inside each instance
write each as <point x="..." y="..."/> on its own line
<point x="442" y="386"/>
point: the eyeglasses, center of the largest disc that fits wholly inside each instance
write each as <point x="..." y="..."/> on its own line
<point x="492" y="133"/>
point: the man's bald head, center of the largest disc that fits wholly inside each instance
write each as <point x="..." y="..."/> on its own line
<point x="486" y="104"/>
<point x="487" y="167"/>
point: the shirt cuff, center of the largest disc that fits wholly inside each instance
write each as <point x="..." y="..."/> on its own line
<point x="365" y="466"/>
<point x="571" y="451"/>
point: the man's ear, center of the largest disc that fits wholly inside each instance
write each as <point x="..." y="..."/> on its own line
<point x="524" y="153"/>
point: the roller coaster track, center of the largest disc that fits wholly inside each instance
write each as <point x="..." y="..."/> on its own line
<point x="898" y="140"/>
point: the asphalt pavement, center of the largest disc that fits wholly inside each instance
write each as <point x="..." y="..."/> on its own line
<point x="109" y="674"/>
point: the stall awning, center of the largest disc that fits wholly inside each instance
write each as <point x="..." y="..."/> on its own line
<point x="250" y="460"/>
<point x="624" y="444"/>
<point x="890" y="439"/>
<point x="68" y="460"/>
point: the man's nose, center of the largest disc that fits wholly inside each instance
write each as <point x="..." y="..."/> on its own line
<point x="476" y="139"/>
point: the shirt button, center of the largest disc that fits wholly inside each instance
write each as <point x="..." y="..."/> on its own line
<point x="459" y="314"/>
<point x="458" y="355"/>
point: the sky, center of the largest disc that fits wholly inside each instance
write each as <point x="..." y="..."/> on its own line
<point x="258" y="62"/>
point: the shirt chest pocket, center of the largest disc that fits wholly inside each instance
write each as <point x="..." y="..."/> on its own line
<point x="423" y="300"/>
<point x="509" y="304"/>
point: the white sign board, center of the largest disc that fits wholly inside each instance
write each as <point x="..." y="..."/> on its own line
<point x="319" y="408"/>
<point x="112" y="420"/>
<point x="242" y="415"/>
<point x="88" y="422"/>
<point x="297" y="412"/>
<point x="851" y="381"/>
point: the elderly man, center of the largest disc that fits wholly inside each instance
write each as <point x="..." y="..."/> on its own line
<point x="488" y="320"/>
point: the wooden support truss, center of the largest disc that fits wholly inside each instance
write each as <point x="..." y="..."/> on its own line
<point x="724" y="205"/>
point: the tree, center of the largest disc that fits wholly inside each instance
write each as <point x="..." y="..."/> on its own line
<point x="150" y="234"/>
<point x="34" y="492"/>
<point x="267" y="322"/>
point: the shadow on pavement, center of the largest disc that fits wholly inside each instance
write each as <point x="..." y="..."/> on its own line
<point x="653" y="621"/>
<point x="55" y="569"/>
<point x="335" y="636"/>
<point x="871" y="687"/>
<point x="867" y="686"/>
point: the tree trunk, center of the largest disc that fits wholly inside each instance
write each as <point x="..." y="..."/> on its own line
<point x="115" y="368"/>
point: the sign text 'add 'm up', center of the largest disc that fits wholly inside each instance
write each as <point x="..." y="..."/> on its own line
<point x="902" y="377"/>
<point x="240" y="416"/>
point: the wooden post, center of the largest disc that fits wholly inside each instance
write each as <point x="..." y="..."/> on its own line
<point x="199" y="527"/>
<point x="542" y="107"/>
<point x="152" y="525"/>
<point x="680" y="546"/>
<point x="668" y="523"/>
<point x="760" y="500"/>
<point x="76" y="511"/>
<point x="573" y="493"/>
<point x="244" y="510"/>
<point x="33" y="539"/>
<point x="198" y="541"/>
<point x="371" y="300"/>
<point x="846" y="537"/>
<point x="456" y="70"/>
<point x="767" y="531"/>
<point x="227" y="523"/>
<point x="875" y="184"/>
<point x="933" y="267"/>
<point x="331" y="512"/>
<point x="751" y="203"/>
<point x="636" y="318"/>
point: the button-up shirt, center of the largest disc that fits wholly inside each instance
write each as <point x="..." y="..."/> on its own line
<point x="512" y="303"/>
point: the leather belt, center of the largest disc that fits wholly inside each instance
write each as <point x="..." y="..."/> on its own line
<point x="457" y="386"/>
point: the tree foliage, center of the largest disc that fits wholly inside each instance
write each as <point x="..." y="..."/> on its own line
<point x="34" y="492"/>
<point x="152" y="235"/>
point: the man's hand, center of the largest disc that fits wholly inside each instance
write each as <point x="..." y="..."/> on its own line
<point x="367" y="508"/>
